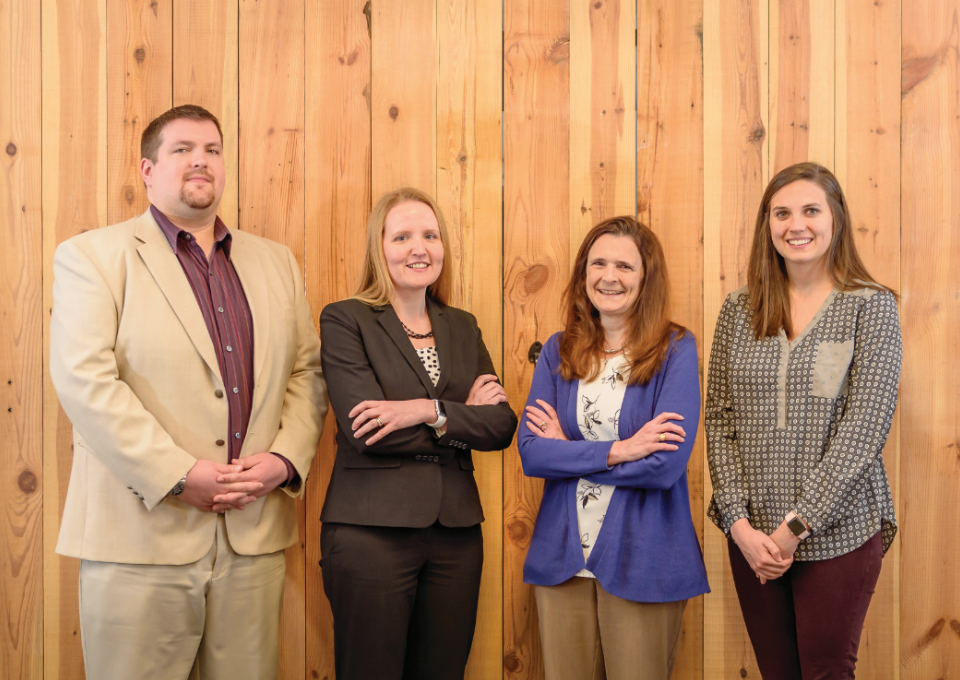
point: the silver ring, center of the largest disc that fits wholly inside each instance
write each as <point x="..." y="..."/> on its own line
<point x="379" y="423"/>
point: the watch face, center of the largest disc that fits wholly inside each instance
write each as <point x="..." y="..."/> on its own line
<point x="796" y="526"/>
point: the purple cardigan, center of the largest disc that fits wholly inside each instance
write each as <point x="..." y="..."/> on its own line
<point x="647" y="550"/>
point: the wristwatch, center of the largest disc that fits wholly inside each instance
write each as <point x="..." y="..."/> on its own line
<point x="441" y="416"/>
<point x="796" y="525"/>
<point x="178" y="488"/>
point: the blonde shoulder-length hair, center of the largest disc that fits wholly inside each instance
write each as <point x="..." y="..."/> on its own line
<point x="376" y="287"/>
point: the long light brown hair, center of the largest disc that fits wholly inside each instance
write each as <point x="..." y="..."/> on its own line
<point x="649" y="330"/>
<point x="376" y="287"/>
<point x="767" y="275"/>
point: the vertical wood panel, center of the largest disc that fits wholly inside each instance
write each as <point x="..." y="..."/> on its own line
<point x="74" y="194"/>
<point x="536" y="265"/>
<point x="735" y="158"/>
<point x="802" y="49"/>
<point x="271" y="73"/>
<point x="337" y="170"/>
<point x="21" y="344"/>
<point x="868" y="167"/>
<point x="205" y="55"/>
<point x="138" y="90"/>
<point x="603" y="68"/>
<point x="469" y="185"/>
<point x="404" y="78"/>
<point x="930" y="453"/>
<point x="670" y="201"/>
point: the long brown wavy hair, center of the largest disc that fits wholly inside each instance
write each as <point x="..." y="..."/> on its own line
<point x="650" y="328"/>
<point x="767" y="274"/>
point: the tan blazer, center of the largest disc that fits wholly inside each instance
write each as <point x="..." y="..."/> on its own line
<point x="136" y="372"/>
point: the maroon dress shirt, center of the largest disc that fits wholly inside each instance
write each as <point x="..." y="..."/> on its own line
<point x="226" y="313"/>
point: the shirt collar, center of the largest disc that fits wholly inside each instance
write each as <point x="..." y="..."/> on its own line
<point x="221" y="235"/>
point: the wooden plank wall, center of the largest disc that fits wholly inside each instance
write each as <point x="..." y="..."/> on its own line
<point x="529" y="120"/>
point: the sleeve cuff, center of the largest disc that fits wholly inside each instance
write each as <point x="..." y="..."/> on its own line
<point x="293" y="477"/>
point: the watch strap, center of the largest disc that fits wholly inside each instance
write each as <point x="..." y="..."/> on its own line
<point x="797" y="525"/>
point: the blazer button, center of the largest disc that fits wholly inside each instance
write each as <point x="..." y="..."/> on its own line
<point x="218" y="394"/>
<point x="436" y="459"/>
<point x="220" y="442"/>
<point x="418" y="457"/>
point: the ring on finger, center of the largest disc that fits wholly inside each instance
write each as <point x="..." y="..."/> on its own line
<point x="663" y="436"/>
<point x="543" y="426"/>
<point x="379" y="422"/>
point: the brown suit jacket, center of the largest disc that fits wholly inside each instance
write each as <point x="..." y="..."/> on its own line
<point x="409" y="478"/>
<point x="136" y="371"/>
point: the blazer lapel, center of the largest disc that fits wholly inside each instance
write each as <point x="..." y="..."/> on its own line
<point x="250" y="271"/>
<point x="165" y="268"/>
<point x="441" y="336"/>
<point x="391" y="323"/>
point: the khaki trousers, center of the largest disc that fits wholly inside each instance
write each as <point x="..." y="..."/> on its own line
<point x="588" y="634"/>
<point x="215" y="619"/>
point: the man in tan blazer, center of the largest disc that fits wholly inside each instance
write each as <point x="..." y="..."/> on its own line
<point x="185" y="355"/>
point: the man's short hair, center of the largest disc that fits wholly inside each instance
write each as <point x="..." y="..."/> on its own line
<point x="150" y="139"/>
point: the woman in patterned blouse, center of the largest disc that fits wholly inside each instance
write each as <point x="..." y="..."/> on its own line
<point x="611" y="418"/>
<point x="801" y="393"/>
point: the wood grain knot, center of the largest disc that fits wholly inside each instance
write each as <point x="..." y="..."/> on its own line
<point x="914" y="71"/>
<point x="519" y="531"/>
<point x="394" y="112"/>
<point x="511" y="662"/>
<point x="955" y="627"/>
<point x="27" y="482"/>
<point x="881" y="131"/>
<point x="11" y="149"/>
<point x="128" y="195"/>
<point x="314" y="673"/>
<point x="560" y="50"/>
<point x="757" y="134"/>
<point x="535" y="278"/>
<point x="139" y="54"/>
<point x="598" y="5"/>
<point x="351" y="58"/>
<point x="933" y="633"/>
<point x="743" y="672"/>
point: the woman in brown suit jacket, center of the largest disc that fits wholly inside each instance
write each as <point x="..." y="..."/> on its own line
<point x="414" y="391"/>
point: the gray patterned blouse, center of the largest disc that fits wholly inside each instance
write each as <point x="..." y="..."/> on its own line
<point x="801" y="425"/>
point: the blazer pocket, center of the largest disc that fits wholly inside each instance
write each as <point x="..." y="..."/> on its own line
<point x="831" y="369"/>
<point x="465" y="458"/>
<point x="353" y="459"/>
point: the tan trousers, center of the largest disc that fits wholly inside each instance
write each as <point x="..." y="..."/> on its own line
<point x="215" y="619"/>
<point x="588" y="634"/>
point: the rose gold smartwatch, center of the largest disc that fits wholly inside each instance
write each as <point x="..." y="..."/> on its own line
<point x="796" y="525"/>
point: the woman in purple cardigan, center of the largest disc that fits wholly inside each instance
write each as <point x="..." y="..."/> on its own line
<point x="610" y="421"/>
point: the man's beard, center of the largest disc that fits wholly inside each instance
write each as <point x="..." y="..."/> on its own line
<point x="198" y="200"/>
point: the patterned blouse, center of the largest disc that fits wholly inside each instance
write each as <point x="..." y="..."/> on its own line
<point x="800" y="425"/>
<point x="600" y="402"/>
<point x="431" y="362"/>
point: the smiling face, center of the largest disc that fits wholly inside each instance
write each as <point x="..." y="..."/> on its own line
<point x="614" y="276"/>
<point x="412" y="247"/>
<point x="801" y="224"/>
<point x="188" y="177"/>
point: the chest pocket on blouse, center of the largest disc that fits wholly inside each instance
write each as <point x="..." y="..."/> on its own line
<point x="831" y="369"/>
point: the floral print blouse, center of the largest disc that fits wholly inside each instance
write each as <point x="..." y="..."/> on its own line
<point x="600" y="401"/>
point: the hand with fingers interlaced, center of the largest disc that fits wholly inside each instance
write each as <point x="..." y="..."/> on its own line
<point x="544" y="421"/>
<point x="657" y="435"/>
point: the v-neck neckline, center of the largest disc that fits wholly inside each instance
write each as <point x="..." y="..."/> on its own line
<point x="831" y="296"/>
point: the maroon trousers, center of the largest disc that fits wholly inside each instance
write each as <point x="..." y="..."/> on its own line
<point x="806" y="624"/>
